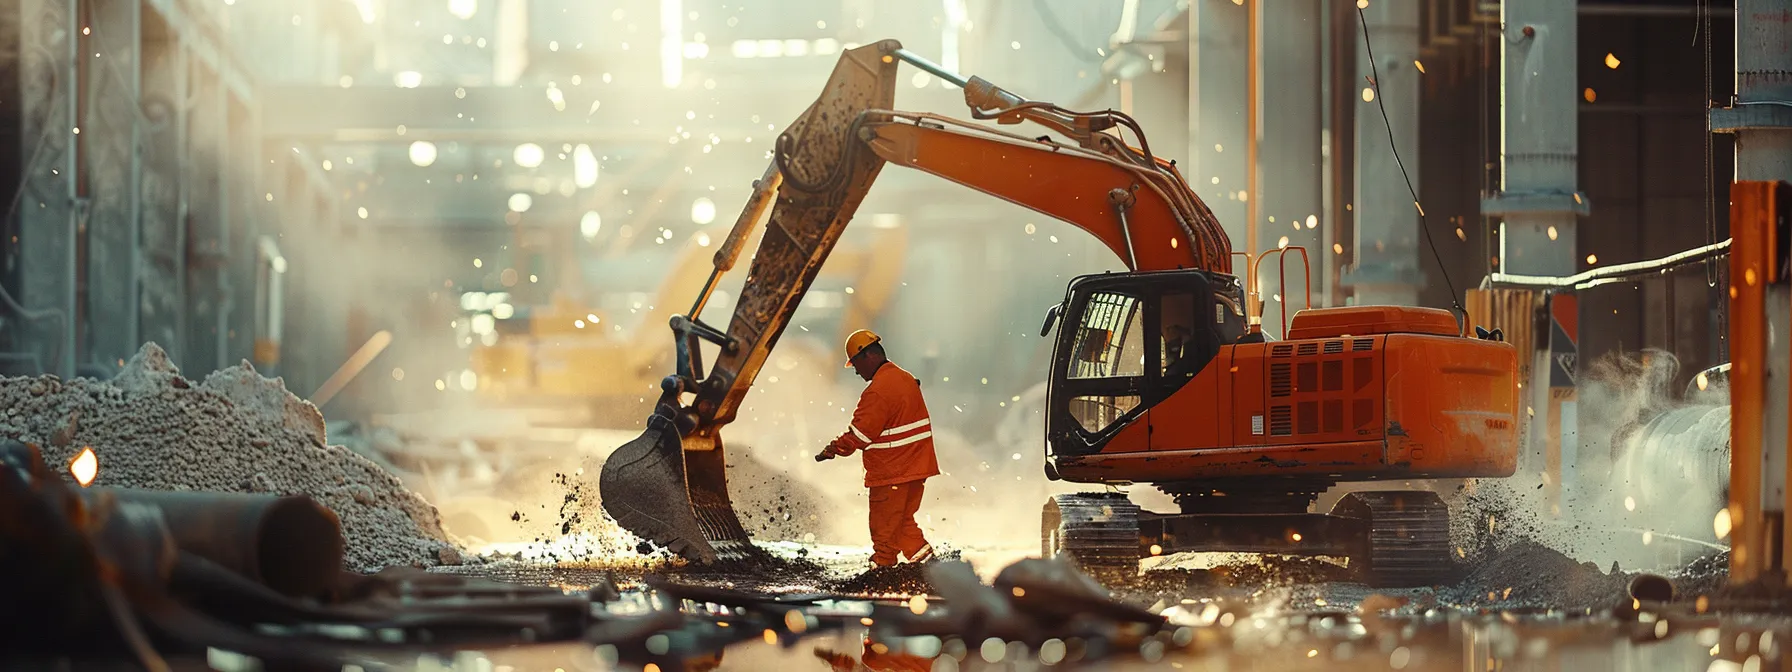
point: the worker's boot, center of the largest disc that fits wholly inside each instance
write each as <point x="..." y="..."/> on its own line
<point x="923" y="555"/>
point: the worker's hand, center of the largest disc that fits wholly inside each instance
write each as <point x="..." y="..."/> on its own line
<point x="832" y="451"/>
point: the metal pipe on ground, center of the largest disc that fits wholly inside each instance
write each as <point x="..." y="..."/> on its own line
<point x="293" y="545"/>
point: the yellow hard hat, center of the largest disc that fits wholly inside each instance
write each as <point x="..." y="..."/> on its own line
<point x="857" y="342"/>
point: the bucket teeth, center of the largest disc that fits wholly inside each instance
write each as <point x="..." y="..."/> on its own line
<point x="643" y="487"/>
<point x="679" y="501"/>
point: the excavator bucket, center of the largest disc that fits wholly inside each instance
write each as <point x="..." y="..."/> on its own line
<point x="670" y="485"/>
<point x="675" y="498"/>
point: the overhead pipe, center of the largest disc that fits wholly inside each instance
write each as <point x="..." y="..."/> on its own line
<point x="1610" y="274"/>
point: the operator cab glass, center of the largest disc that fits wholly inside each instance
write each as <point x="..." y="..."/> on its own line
<point x="1128" y="341"/>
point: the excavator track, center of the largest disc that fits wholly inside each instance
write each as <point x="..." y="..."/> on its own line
<point x="1099" y="532"/>
<point x="1408" y="537"/>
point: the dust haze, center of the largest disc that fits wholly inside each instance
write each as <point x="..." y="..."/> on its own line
<point x="1650" y="476"/>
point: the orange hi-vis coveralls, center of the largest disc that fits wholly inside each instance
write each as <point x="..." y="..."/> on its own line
<point x="891" y="426"/>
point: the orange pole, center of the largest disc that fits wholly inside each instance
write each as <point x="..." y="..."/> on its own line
<point x="1751" y="268"/>
<point x="1253" y="107"/>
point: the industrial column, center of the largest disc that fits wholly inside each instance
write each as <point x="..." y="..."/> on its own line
<point x="1538" y="203"/>
<point x="1217" y="70"/>
<point x="47" y="210"/>
<point x="207" y="221"/>
<point x="164" y="203"/>
<point x="1761" y="295"/>
<point x="109" y="138"/>
<point x="1289" y="158"/>
<point x="1387" y="223"/>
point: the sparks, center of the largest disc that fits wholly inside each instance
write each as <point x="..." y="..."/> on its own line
<point x="85" y="467"/>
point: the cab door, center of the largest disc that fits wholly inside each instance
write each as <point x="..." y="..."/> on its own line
<point x="1101" y="382"/>
<point x="1128" y="342"/>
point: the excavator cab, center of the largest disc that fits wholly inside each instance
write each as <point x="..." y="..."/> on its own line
<point x="1130" y="340"/>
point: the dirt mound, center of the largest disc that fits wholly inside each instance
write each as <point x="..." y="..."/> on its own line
<point x="235" y="432"/>
<point x="1528" y="574"/>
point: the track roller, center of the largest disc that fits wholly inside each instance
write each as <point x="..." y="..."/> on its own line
<point x="1407" y="537"/>
<point x="1099" y="532"/>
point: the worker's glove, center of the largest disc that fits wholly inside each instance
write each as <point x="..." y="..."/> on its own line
<point x="832" y="451"/>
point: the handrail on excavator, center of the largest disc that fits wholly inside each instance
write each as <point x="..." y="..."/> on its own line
<point x="1254" y="307"/>
<point x="1282" y="280"/>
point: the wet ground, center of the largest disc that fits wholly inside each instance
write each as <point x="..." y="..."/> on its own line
<point x="1216" y="639"/>
<point x="1229" y="613"/>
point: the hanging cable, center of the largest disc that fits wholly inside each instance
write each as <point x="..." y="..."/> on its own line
<point x="1375" y="82"/>
<point x="1710" y="197"/>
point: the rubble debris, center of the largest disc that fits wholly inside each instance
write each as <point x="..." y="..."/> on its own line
<point x="103" y="574"/>
<point x="1707" y="574"/>
<point x="1032" y="601"/>
<point x="906" y="578"/>
<point x="772" y="505"/>
<point x="235" y="432"/>
<point x="1529" y="574"/>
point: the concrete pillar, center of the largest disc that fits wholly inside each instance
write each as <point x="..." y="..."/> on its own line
<point x="207" y="250"/>
<point x="1387" y="247"/>
<point x="244" y="215"/>
<point x="163" y="236"/>
<point x="1288" y="153"/>
<point x="1217" y="72"/>
<point x="48" y="211"/>
<point x="1538" y="202"/>
<point x="1762" y="124"/>
<point x="109" y="138"/>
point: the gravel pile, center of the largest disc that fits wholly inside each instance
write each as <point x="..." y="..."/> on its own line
<point x="1529" y="574"/>
<point x="906" y="578"/>
<point x="235" y="432"/>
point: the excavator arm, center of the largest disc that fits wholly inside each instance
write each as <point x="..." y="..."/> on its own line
<point x="669" y="485"/>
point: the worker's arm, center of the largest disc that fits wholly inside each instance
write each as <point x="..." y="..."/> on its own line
<point x="868" y="421"/>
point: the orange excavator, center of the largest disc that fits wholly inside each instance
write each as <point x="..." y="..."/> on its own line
<point x="1160" y="374"/>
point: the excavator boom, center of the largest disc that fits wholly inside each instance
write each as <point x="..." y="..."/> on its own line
<point x="669" y="485"/>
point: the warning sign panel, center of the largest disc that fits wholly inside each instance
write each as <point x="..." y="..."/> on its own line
<point x="1564" y="334"/>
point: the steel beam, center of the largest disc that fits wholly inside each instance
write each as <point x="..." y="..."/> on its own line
<point x="1386" y="268"/>
<point x="48" y="209"/>
<point x="109" y="139"/>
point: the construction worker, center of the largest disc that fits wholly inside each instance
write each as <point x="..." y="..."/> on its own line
<point x="891" y="426"/>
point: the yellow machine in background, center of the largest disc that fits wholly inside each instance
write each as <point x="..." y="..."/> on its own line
<point x="565" y="364"/>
